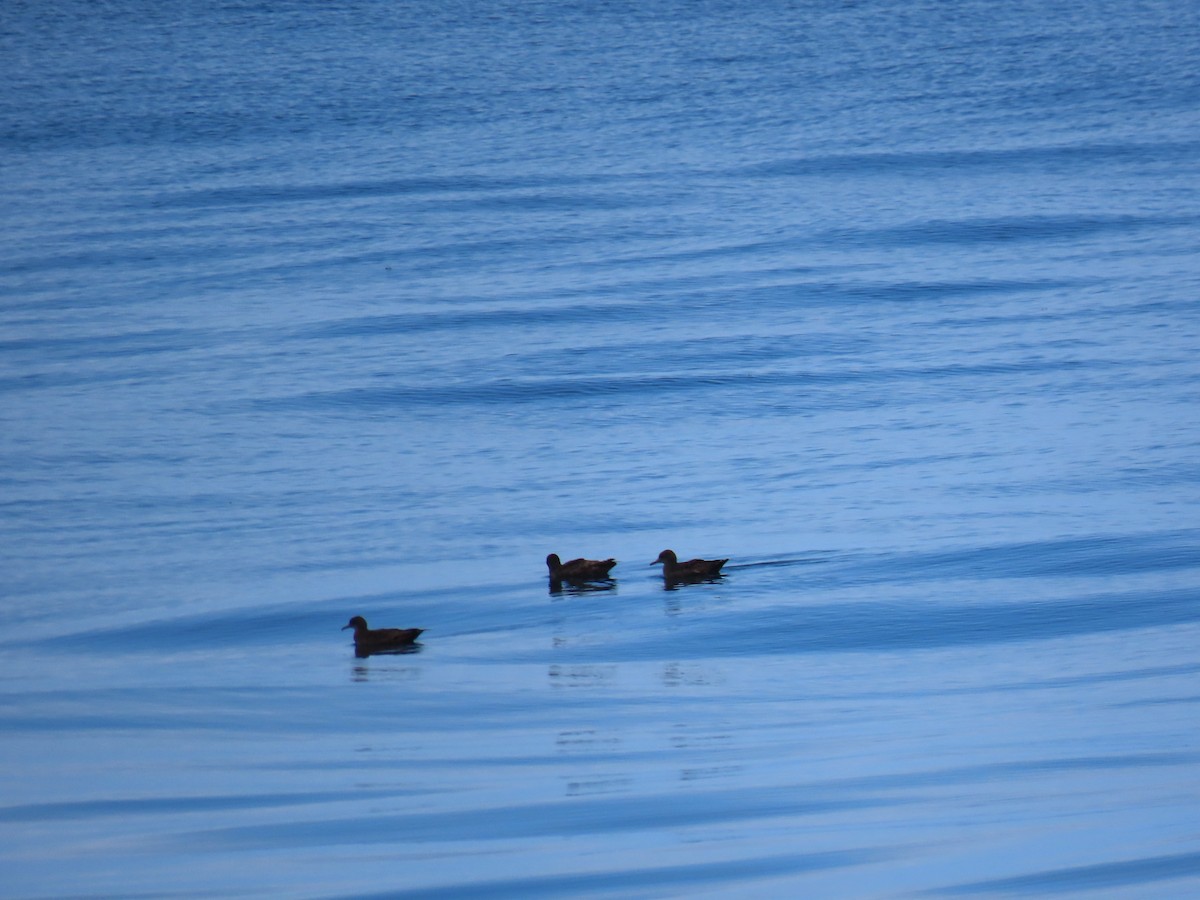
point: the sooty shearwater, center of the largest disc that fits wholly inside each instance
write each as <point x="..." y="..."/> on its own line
<point x="578" y="569"/>
<point x="674" y="570"/>
<point x="380" y="640"/>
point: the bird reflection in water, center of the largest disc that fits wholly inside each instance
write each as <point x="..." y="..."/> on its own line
<point x="382" y="672"/>
<point x="559" y="588"/>
<point x="582" y="676"/>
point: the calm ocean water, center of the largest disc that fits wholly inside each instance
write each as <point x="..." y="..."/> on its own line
<point x="311" y="310"/>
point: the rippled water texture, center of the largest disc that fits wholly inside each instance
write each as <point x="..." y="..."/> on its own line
<point x="310" y="311"/>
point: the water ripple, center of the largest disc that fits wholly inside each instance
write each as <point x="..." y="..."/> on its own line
<point x="1145" y="871"/>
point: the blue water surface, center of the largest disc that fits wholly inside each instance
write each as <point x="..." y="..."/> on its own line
<point x="318" y="310"/>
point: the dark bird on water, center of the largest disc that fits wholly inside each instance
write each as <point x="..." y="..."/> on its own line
<point x="674" y="570"/>
<point x="578" y="569"/>
<point x="380" y="640"/>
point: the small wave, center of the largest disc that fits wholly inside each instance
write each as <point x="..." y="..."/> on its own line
<point x="872" y="626"/>
<point x="1004" y="229"/>
<point x="555" y="819"/>
<point x="1143" y="871"/>
<point x="738" y="874"/>
<point x="439" y="186"/>
<point x="539" y="390"/>
<point x="122" y="807"/>
<point x="1006" y="160"/>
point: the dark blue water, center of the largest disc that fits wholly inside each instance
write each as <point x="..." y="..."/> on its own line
<point x="316" y="310"/>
